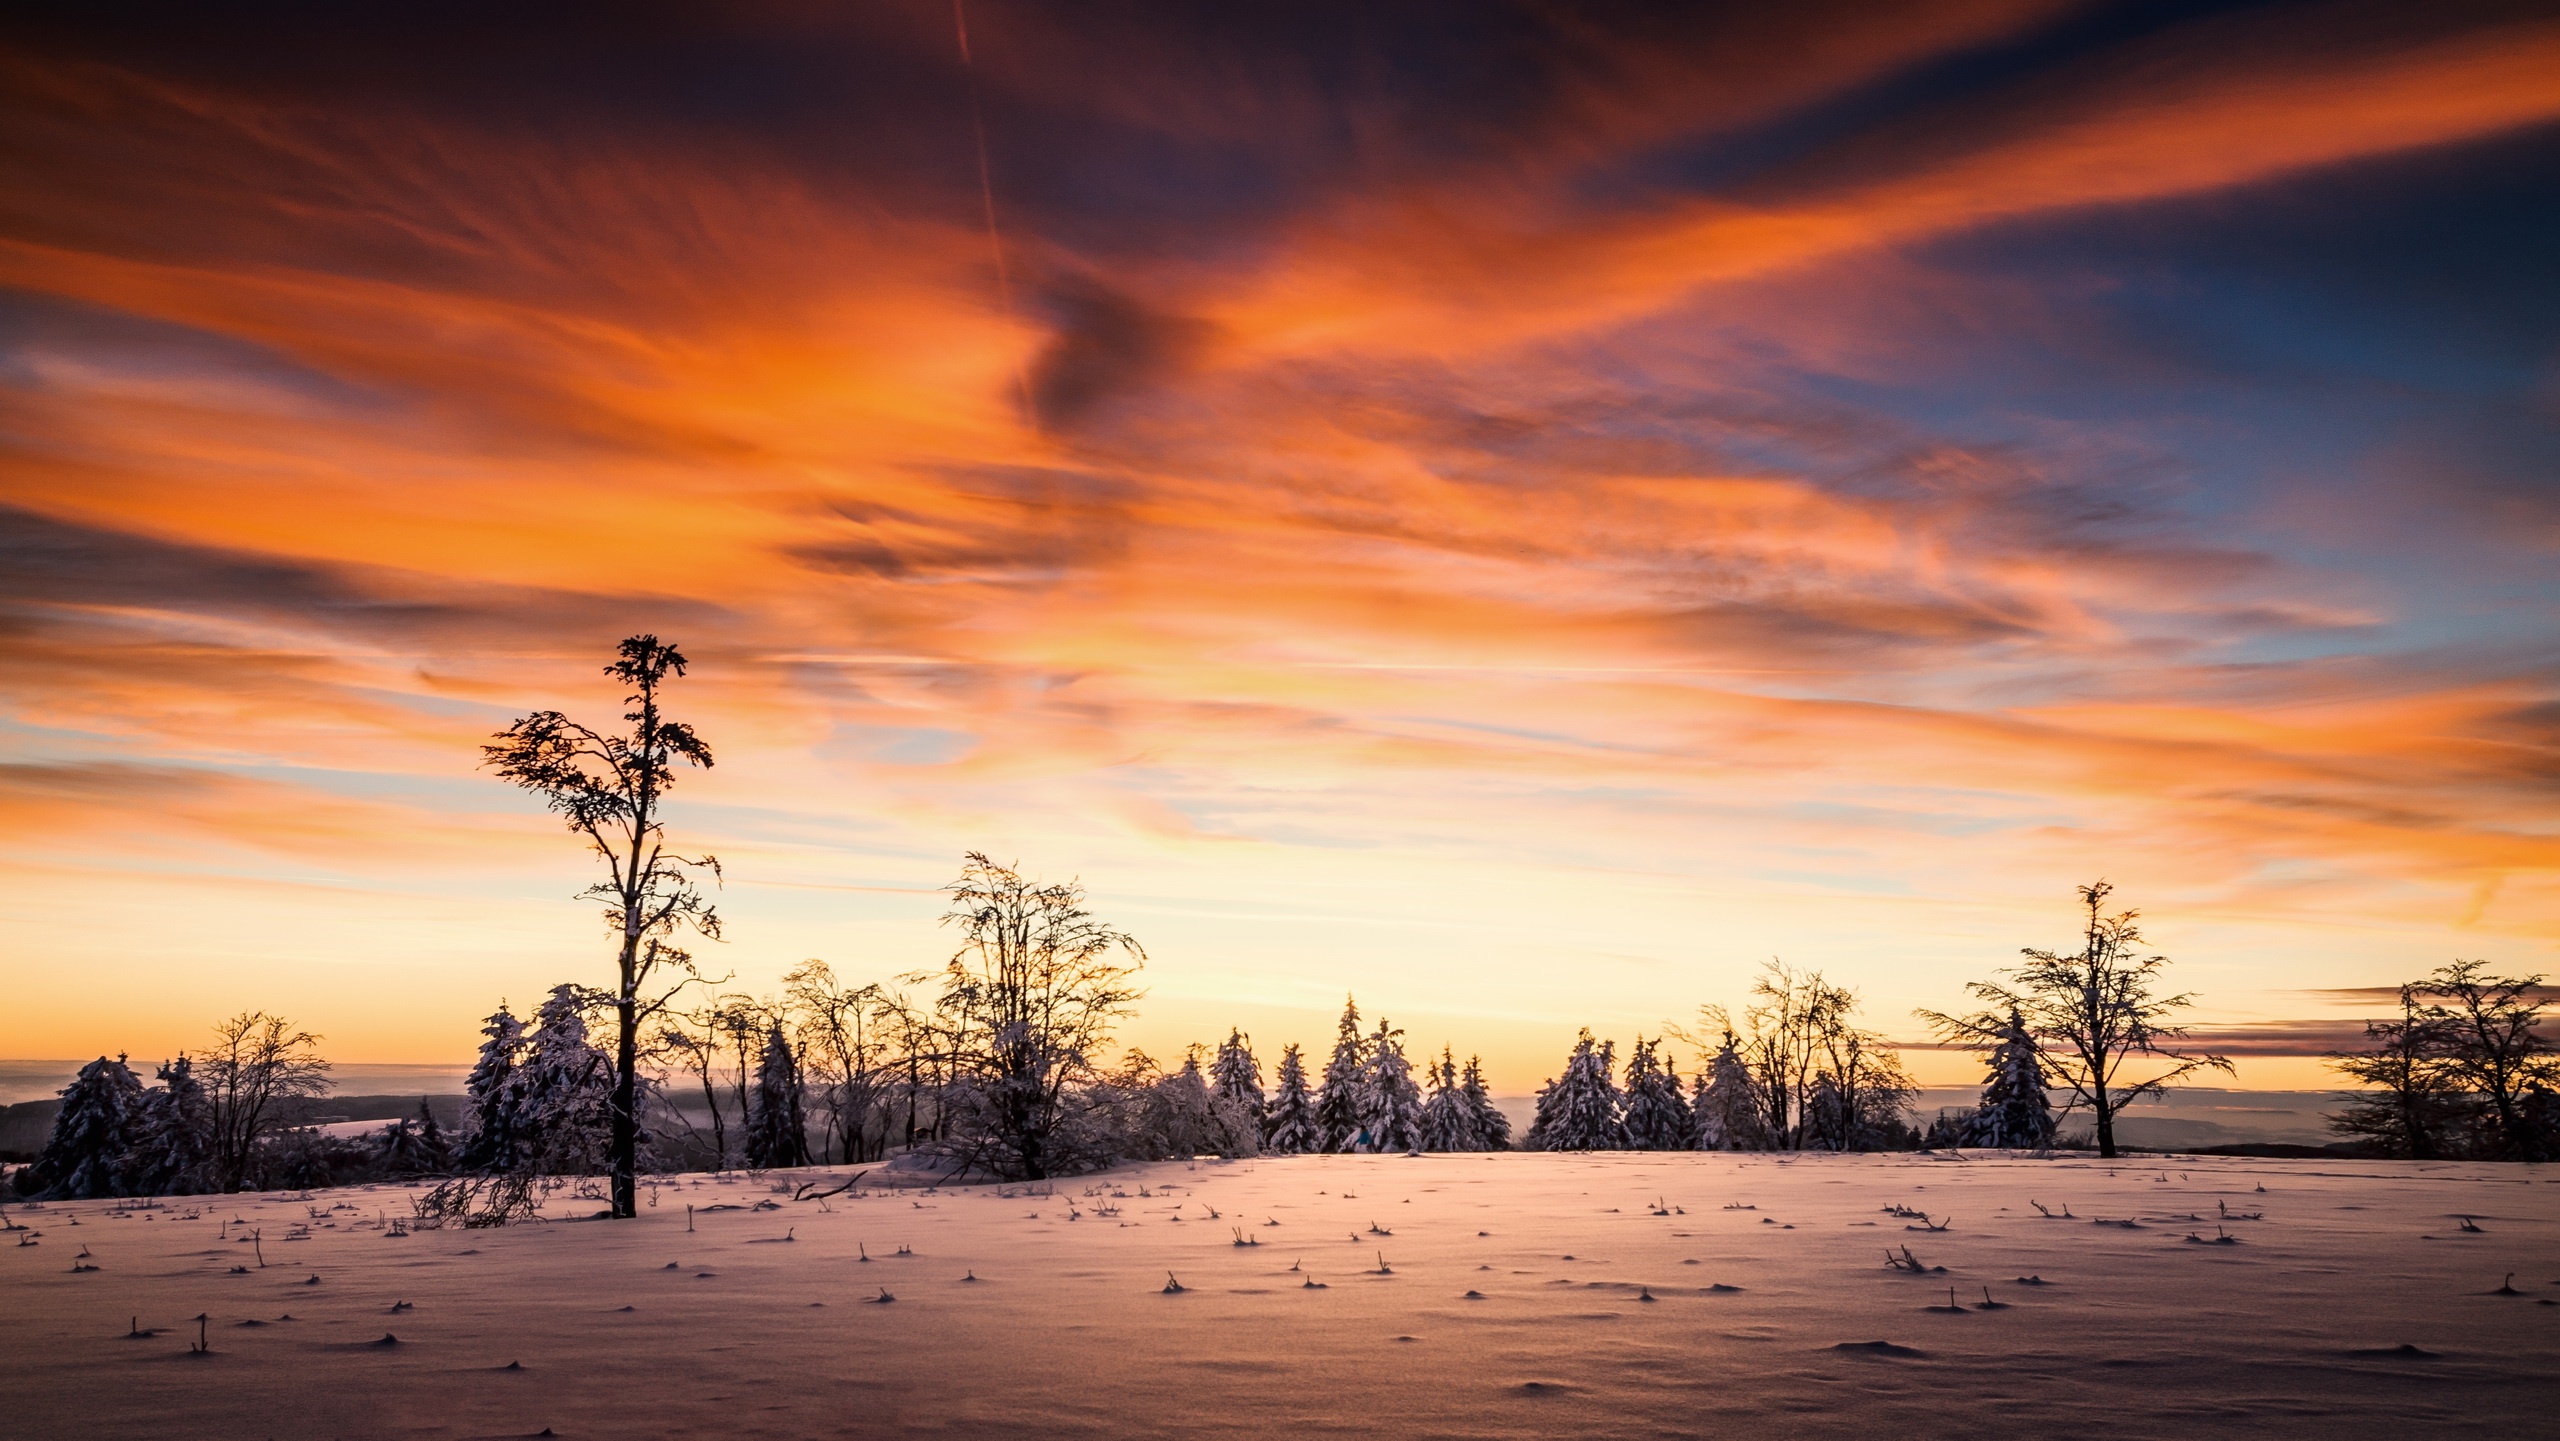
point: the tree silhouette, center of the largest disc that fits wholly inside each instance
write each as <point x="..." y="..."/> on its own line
<point x="2090" y="1015"/>
<point x="257" y="1066"/>
<point x="608" y="788"/>
<point x="2493" y="1049"/>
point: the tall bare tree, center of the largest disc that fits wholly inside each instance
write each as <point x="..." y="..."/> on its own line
<point x="2091" y="1015"/>
<point x="844" y="1030"/>
<point x="257" y="1066"/>
<point x="1032" y="994"/>
<point x="608" y="788"/>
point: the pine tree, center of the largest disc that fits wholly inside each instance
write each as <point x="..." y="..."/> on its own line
<point x="1236" y="1080"/>
<point x="2016" y="1113"/>
<point x="562" y="1090"/>
<point x="1390" y="1103"/>
<point x="1578" y="1111"/>
<point x="490" y="1139"/>
<point x="777" y="1124"/>
<point x="1493" y="1128"/>
<point x="1726" y="1105"/>
<point x="1448" y="1122"/>
<point x="91" y="1148"/>
<point x="1338" y="1119"/>
<point x="1290" y="1122"/>
<point x="1657" y="1115"/>
<point x="172" y="1136"/>
<point x="435" y="1148"/>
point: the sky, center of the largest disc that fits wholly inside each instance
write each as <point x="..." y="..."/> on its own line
<point x="1520" y="513"/>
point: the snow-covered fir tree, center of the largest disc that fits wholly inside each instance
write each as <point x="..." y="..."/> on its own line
<point x="1493" y="1128"/>
<point x="777" y="1123"/>
<point x="1448" y="1122"/>
<point x="90" y="1149"/>
<point x="1235" y="1079"/>
<point x="1657" y="1115"/>
<point x="1338" y="1105"/>
<point x="1390" y="1103"/>
<point x="1578" y="1110"/>
<point x="562" y="1090"/>
<point x="1289" y="1123"/>
<point x="2016" y="1112"/>
<point x="172" y="1135"/>
<point x="1726" y="1104"/>
<point x="491" y="1139"/>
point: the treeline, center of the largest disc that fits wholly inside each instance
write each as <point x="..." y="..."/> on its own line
<point x="1010" y="1052"/>
<point x="990" y="1067"/>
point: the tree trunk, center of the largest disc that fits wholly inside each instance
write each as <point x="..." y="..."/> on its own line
<point x="626" y="1079"/>
<point x="2106" y="1128"/>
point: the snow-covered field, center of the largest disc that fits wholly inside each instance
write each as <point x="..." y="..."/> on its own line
<point x="1492" y="1296"/>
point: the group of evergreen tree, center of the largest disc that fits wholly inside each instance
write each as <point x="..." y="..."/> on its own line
<point x="1588" y="1108"/>
<point x="114" y="1137"/>
<point x="1370" y="1101"/>
<point x="1367" y="1100"/>
<point x="2016" y="1111"/>
<point x="539" y="1098"/>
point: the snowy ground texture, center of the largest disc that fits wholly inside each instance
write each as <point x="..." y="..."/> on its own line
<point x="1511" y="1303"/>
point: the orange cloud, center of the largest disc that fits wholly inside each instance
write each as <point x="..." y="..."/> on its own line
<point x="1421" y="543"/>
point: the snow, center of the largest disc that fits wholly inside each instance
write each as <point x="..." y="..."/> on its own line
<point x="761" y="1322"/>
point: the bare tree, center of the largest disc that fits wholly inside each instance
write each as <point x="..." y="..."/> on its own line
<point x="1780" y="1041"/>
<point x="1032" y="993"/>
<point x="738" y="1022"/>
<point x="2494" y="1049"/>
<point x="608" y="788"/>
<point x="1861" y="1090"/>
<point x="2090" y="1015"/>
<point x="1819" y="1080"/>
<point x="692" y="1042"/>
<point x="2414" y="1099"/>
<point x="845" y="1033"/>
<point x="257" y="1065"/>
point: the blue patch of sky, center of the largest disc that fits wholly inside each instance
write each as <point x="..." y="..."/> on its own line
<point x="897" y="745"/>
<point x="128" y="345"/>
<point x="1725" y="163"/>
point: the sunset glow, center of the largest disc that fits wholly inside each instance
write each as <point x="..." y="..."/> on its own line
<point x="1521" y="523"/>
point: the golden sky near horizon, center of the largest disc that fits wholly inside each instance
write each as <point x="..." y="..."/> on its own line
<point x="1517" y="517"/>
